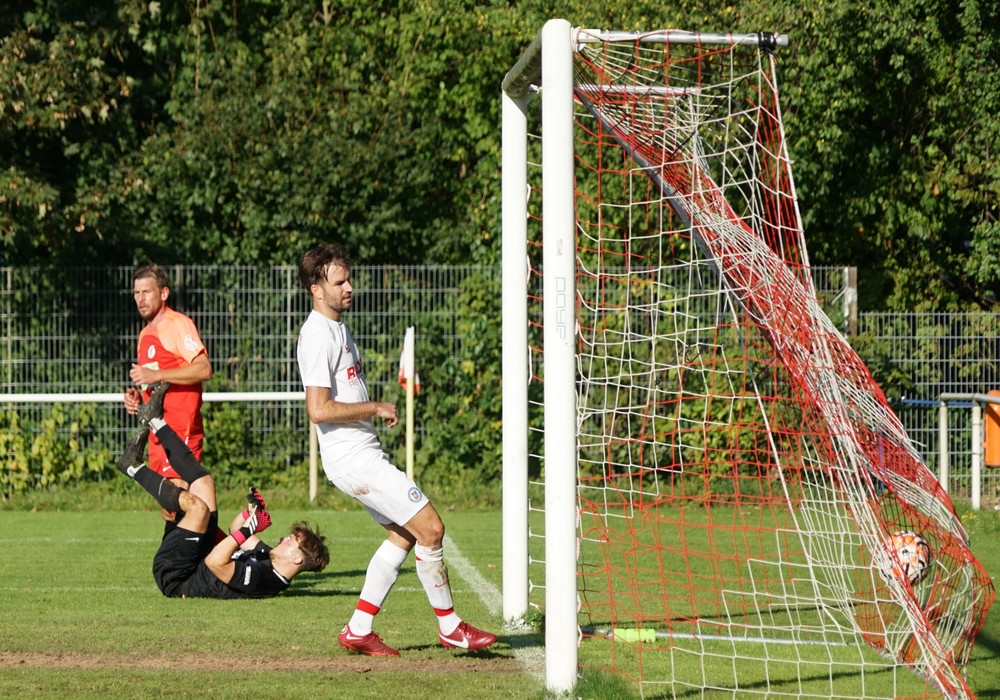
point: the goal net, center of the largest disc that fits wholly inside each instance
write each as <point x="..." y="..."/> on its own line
<point x="725" y="501"/>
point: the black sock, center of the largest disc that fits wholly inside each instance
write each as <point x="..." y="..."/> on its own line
<point x="166" y="494"/>
<point x="179" y="455"/>
<point x="210" y="540"/>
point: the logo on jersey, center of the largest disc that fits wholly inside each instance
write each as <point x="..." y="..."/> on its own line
<point x="355" y="373"/>
<point x="191" y="344"/>
<point x="151" y="352"/>
<point x="414" y="495"/>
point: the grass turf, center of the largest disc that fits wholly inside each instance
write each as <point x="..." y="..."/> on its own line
<point x="81" y="617"/>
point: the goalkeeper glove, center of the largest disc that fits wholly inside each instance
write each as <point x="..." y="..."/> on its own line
<point x="257" y="521"/>
<point x="254" y="498"/>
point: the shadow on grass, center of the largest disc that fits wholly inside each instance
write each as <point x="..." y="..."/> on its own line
<point x="982" y="677"/>
<point x="501" y="649"/>
<point x="321" y="584"/>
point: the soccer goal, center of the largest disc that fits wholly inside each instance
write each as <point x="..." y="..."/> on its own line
<point x="705" y="492"/>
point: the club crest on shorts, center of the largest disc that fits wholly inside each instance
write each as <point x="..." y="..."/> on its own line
<point x="414" y="494"/>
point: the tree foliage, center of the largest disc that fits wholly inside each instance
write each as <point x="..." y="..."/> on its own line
<point x="74" y="89"/>
<point x="243" y="131"/>
<point x="895" y="143"/>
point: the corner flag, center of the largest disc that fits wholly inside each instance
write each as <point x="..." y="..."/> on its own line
<point x="407" y="362"/>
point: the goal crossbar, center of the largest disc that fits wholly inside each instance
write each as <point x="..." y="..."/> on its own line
<point x="524" y="75"/>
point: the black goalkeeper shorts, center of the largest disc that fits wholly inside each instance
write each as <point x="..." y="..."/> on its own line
<point x="175" y="562"/>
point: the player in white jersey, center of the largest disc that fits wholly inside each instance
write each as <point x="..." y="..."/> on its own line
<point x="338" y="404"/>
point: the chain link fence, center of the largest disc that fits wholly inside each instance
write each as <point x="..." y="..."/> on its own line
<point x="74" y="331"/>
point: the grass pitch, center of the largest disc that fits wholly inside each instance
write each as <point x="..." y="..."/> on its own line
<point x="80" y="616"/>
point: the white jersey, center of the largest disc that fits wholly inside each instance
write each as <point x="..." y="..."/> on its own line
<point x="328" y="358"/>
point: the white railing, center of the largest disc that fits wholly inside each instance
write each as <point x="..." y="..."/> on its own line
<point x="977" y="439"/>
<point x="208" y="396"/>
<point x="114" y="397"/>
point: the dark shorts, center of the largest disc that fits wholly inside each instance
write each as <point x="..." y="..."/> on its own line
<point x="207" y="543"/>
<point x="175" y="562"/>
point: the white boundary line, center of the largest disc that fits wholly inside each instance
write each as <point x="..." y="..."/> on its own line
<point x="531" y="658"/>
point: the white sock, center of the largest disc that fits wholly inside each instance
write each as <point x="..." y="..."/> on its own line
<point x="383" y="569"/>
<point x="433" y="574"/>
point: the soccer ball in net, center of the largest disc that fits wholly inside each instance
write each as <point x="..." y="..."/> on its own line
<point x="910" y="556"/>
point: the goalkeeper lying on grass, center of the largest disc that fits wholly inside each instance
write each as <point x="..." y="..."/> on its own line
<point x="193" y="562"/>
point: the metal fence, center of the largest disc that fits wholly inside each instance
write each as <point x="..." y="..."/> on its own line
<point x="941" y="353"/>
<point x="74" y="330"/>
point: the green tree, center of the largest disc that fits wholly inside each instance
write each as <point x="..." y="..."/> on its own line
<point x="243" y="131"/>
<point x="76" y="92"/>
<point x="354" y="123"/>
<point x="890" y="109"/>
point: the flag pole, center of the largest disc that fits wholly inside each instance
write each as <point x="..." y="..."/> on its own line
<point x="408" y="365"/>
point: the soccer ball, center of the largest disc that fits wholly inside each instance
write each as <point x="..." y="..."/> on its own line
<point x="910" y="556"/>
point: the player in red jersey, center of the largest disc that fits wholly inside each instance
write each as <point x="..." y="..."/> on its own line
<point x="171" y="351"/>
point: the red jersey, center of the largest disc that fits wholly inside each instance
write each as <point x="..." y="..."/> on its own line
<point x="172" y="343"/>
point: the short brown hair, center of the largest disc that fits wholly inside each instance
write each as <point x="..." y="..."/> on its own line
<point x="315" y="264"/>
<point x="154" y="272"/>
<point x="313" y="546"/>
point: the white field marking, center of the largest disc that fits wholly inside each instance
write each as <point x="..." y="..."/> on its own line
<point x="531" y="658"/>
<point x="488" y="593"/>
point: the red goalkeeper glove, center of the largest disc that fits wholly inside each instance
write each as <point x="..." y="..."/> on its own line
<point x="253" y="499"/>
<point x="258" y="521"/>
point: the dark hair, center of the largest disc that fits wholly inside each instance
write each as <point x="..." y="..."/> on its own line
<point x="153" y="271"/>
<point x="315" y="264"/>
<point x="313" y="546"/>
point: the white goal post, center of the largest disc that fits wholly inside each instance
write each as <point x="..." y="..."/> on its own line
<point x="552" y="48"/>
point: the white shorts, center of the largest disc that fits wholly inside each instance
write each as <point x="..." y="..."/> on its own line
<point x="385" y="491"/>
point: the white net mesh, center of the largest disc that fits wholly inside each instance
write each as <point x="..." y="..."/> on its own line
<point x="740" y="470"/>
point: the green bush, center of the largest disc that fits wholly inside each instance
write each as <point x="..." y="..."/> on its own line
<point x="61" y="449"/>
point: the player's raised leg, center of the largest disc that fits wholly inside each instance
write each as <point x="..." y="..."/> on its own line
<point x="130" y="464"/>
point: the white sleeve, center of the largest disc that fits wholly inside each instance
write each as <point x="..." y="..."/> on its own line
<point x="318" y="357"/>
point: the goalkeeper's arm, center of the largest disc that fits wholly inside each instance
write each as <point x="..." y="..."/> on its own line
<point x="220" y="559"/>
